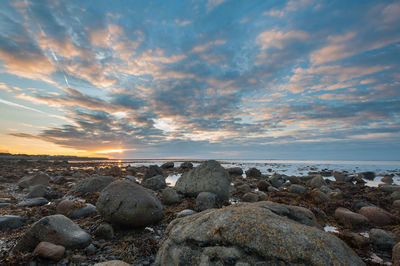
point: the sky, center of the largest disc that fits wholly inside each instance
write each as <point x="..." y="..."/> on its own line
<point x="232" y="79"/>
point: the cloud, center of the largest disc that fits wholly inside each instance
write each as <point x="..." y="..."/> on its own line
<point x="211" y="4"/>
<point x="278" y="39"/>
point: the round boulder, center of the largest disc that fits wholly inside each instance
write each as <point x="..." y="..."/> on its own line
<point x="346" y="216"/>
<point x="128" y="204"/>
<point x="376" y="215"/>
<point x="155" y="183"/>
<point x="92" y="184"/>
<point x="38" y="179"/>
<point x="253" y="172"/>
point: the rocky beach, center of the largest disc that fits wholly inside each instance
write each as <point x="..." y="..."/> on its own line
<point x="56" y="212"/>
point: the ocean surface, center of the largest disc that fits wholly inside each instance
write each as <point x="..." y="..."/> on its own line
<point x="287" y="167"/>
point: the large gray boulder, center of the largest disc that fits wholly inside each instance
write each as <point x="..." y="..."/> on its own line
<point x="247" y="234"/>
<point x="210" y="176"/>
<point x="155" y="183"/>
<point x="128" y="204"/>
<point x="56" y="229"/>
<point x="38" y="179"/>
<point x="153" y="170"/>
<point x="92" y="184"/>
<point x="37" y="191"/>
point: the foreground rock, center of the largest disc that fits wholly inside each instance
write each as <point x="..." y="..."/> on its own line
<point x="205" y="201"/>
<point x="56" y="229"/>
<point x="10" y="222"/>
<point x="249" y="234"/>
<point x="49" y="251"/>
<point x="210" y="176"/>
<point x="376" y="215"/>
<point x="38" y="179"/>
<point x="169" y="196"/>
<point x="346" y="216"/>
<point x="125" y="203"/>
<point x="383" y="240"/>
<point x="93" y="184"/>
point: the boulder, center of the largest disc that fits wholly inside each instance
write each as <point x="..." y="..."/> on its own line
<point x="40" y="201"/>
<point x="396" y="204"/>
<point x="382" y="240"/>
<point x="38" y="179"/>
<point x="243" y="188"/>
<point x="186" y="165"/>
<point x="319" y="196"/>
<point x="104" y="231"/>
<point x="253" y="172"/>
<point x="263" y="185"/>
<point x="50" y="251"/>
<point x="294" y="180"/>
<point x="342" y="177"/>
<point x="56" y="229"/>
<point x="250" y="197"/>
<point x="346" y="216"/>
<point x="277" y="180"/>
<point x="210" y="176"/>
<point x="75" y="209"/>
<point x="37" y="191"/>
<point x="317" y="182"/>
<point x="396" y="254"/>
<point x="206" y="200"/>
<point x="298" y="189"/>
<point x="153" y="170"/>
<point x="389" y="188"/>
<point x="169" y="196"/>
<point x="250" y="234"/>
<point x="235" y="171"/>
<point x="92" y="184"/>
<point x="395" y="195"/>
<point x="367" y="175"/>
<point x="387" y="179"/>
<point x="185" y="212"/>
<point x="168" y="165"/>
<point x="376" y="215"/>
<point x="128" y="204"/>
<point x="155" y="183"/>
<point x="10" y="222"/>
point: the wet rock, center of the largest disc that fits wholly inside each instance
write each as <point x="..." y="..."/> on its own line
<point x="49" y="251"/>
<point x="104" y="231"/>
<point x="346" y="216"/>
<point x="382" y="240"/>
<point x="367" y="175"/>
<point x="249" y="233"/>
<point x="33" y="202"/>
<point x="10" y="222"/>
<point x="38" y="179"/>
<point x="126" y="203"/>
<point x="75" y="209"/>
<point x="396" y="254"/>
<point x="186" y="165"/>
<point x="298" y="189"/>
<point x="155" y="183"/>
<point x="235" y="171"/>
<point x="210" y="176"/>
<point x="250" y="197"/>
<point x="387" y="179"/>
<point x="206" y="200"/>
<point x="92" y="184"/>
<point x="263" y="185"/>
<point x="295" y="180"/>
<point x="276" y="180"/>
<point x="261" y="195"/>
<point x="253" y="172"/>
<point x="168" y="165"/>
<point x="272" y="189"/>
<point x="169" y="196"/>
<point x="389" y="188"/>
<point x="376" y="215"/>
<point x="342" y="177"/>
<point x="243" y="188"/>
<point x="153" y="170"/>
<point x="37" y="191"/>
<point x="56" y="229"/>
<point x="185" y="213"/>
<point x="396" y="195"/>
<point x="325" y="189"/>
<point x="355" y="240"/>
<point x="319" y="196"/>
<point x="90" y="250"/>
<point x="112" y="263"/>
<point x="316" y="182"/>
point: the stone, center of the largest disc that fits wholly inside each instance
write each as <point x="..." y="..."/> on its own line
<point x="389" y="188"/>
<point x="294" y="180"/>
<point x="325" y="189"/>
<point x="250" y="197"/>
<point x="346" y="216"/>
<point x="342" y="177"/>
<point x="396" y="204"/>
<point x="272" y="189"/>
<point x="382" y="240"/>
<point x="277" y="181"/>
<point x="75" y="209"/>
<point x="10" y="222"/>
<point x="38" y="179"/>
<point x="155" y="183"/>
<point x="367" y="175"/>
<point x="185" y="213"/>
<point x="92" y="184"/>
<point x="298" y="189"/>
<point x="128" y="204"/>
<point x="37" y="191"/>
<point x="5" y="204"/>
<point x="250" y="233"/>
<point x="186" y="165"/>
<point x="243" y="188"/>
<point x="56" y="229"/>
<point x="169" y="196"/>
<point x="317" y="182"/>
<point x="210" y="176"/>
<point x="253" y="172"/>
<point x="104" y="231"/>
<point x="263" y="185"/>
<point x="396" y="195"/>
<point x="131" y="170"/>
<point x="40" y="201"/>
<point x="235" y="171"/>
<point x="387" y="179"/>
<point x="90" y="250"/>
<point x="153" y="170"/>
<point x="206" y="200"/>
<point x="376" y="215"/>
<point x="319" y="196"/>
<point x="112" y="263"/>
<point x="396" y="254"/>
<point x="49" y="250"/>
<point x="168" y="165"/>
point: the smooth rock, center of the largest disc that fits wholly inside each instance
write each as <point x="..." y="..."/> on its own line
<point x="376" y="215"/>
<point x="37" y="191"/>
<point x="49" y="251"/>
<point x="250" y="233"/>
<point x="295" y="180"/>
<point x="395" y="195"/>
<point x="210" y="176"/>
<point x="112" y="263"/>
<point x="250" y="197"/>
<point x="389" y="188"/>
<point x="253" y="172"/>
<point x="367" y="175"/>
<point x="33" y="202"/>
<point x="235" y="171"/>
<point x="263" y="185"/>
<point x="169" y="196"/>
<point x="104" y="231"/>
<point x="317" y="182"/>
<point x="243" y="188"/>
<point x="387" y="179"/>
<point x="298" y="189"/>
<point x="383" y="240"/>
<point x="155" y="183"/>
<point x="75" y="209"/>
<point x="186" y="165"/>
<point x="276" y="180"/>
<point x="206" y="200"/>
<point x="168" y="165"/>
<point x="92" y="184"/>
<point x="319" y="196"/>
<point x="126" y="203"/>
<point x="10" y="222"/>
<point x="38" y="179"/>
<point x="153" y="170"/>
<point x="56" y="229"/>
<point x="346" y="216"/>
<point x="185" y="213"/>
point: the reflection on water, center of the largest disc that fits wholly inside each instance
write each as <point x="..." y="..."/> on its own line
<point x="330" y="228"/>
<point x="171" y="179"/>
